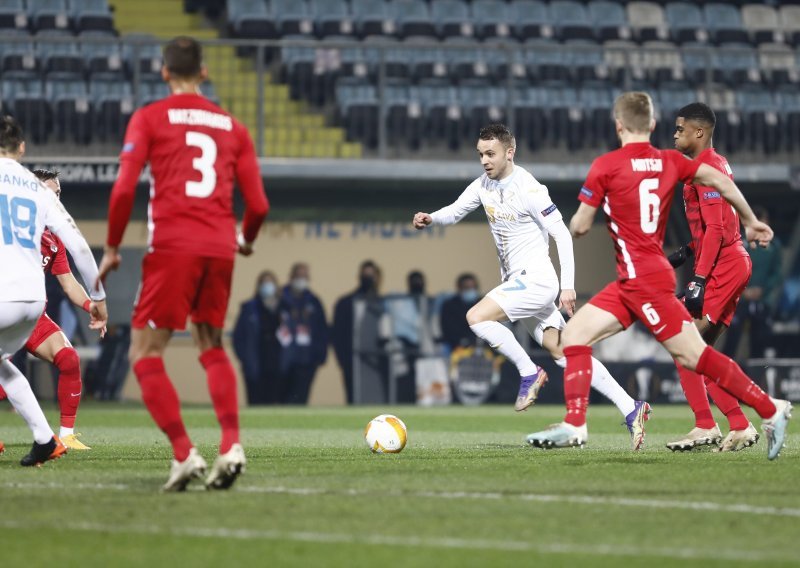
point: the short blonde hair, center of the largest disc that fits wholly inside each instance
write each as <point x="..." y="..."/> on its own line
<point x="635" y="111"/>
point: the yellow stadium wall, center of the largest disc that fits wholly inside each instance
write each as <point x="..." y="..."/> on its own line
<point x="334" y="251"/>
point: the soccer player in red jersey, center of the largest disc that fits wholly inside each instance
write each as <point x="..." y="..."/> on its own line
<point x="195" y="150"/>
<point x="635" y="186"/>
<point x="722" y="269"/>
<point x="47" y="341"/>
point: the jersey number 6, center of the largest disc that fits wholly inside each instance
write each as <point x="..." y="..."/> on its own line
<point x="204" y="163"/>
<point x="648" y="205"/>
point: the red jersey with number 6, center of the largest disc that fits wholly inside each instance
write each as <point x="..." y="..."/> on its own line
<point x="635" y="186"/>
<point x="195" y="151"/>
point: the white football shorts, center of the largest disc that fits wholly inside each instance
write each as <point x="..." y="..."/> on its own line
<point x="523" y="298"/>
<point x="17" y="322"/>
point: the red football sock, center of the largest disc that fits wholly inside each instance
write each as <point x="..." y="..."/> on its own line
<point x="161" y="400"/>
<point x="3" y="394"/>
<point x="222" y="388"/>
<point x="727" y="374"/>
<point x="69" y="384"/>
<point x="728" y="405"/>
<point x="696" y="396"/>
<point x="577" y="382"/>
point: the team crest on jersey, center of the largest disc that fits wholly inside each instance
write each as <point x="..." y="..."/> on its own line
<point x="490" y="213"/>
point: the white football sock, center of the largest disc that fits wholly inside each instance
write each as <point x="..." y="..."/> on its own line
<point x="501" y="338"/>
<point x="24" y="402"/>
<point x="64" y="431"/>
<point x="605" y="384"/>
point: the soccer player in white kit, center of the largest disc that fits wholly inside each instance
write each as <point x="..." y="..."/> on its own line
<point x="26" y="208"/>
<point x="522" y="217"/>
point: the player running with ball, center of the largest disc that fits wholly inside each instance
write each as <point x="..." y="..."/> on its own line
<point x="522" y="218"/>
<point x="635" y="186"/>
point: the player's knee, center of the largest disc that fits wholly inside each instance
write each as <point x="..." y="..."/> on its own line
<point x="688" y="359"/>
<point x="67" y="360"/>
<point x="569" y="337"/>
<point x="474" y="316"/>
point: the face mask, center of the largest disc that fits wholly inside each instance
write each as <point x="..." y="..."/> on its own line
<point x="299" y="284"/>
<point x="266" y="290"/>
<point x="469" y="296"/>
<point x="367" y="283"/>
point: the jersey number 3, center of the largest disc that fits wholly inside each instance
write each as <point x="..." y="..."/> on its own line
<point x="204" y="164"/>
<point x="649" y="203"/>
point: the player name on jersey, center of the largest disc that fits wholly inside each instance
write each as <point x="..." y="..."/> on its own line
<point x="199" y="117"/>
<point x="647" y="164"/>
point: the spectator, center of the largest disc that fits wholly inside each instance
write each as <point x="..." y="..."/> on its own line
<point x="369" y="277"/>
<point x="453" y="316"/>
<point x="256" y="343"/>
<point x="303" y="334"/>
<point x="758" y="299"/>
<point x="409" y="334"/>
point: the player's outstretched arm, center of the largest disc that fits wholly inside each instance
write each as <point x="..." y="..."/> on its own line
<point x="422" y="220"/>
<point x="78" y="296"/>
<point x="582" y="221"/>
<point x="755" y="230"/>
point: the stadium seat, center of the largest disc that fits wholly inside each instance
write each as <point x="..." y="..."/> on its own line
<point x="730" y="130"/>
<point x="609" y="20"/>
<point x="686" y="22"/>
<point x="292" y="17"/>
<point x="373" y="18"/>
<point x="531" y="113"/>
<point x="647" y="21"/>
<point x="546" y="61"/>
<point x="622" y="59"/>
<point x="91" y="15"/>
<point x="586" y="61"/>
<point x="468" y="62"/>
<point x="789" y="98"/>
<point x="12" y="14"/>
<point x="669" y="98"/>
<point x="358" y="109"/>
<point x="778" y="64"/>
<point x="662" y="62"/>
<point x="491" y="18"/>
<point x="735" y="64"/>
<point x="402" y="118"/>
<point x="725" y="23"/>
<point x="17" y="55"/>
<point x="571" y="20"/>
<point x="481" y="105"/>
<point x="530" y="19"/>
<point x="48" y="14"/>
<point x="442" y="112"/>
<point x="428" y="63"/>
<point x="301" y="70"/>
<point x="697" y="61"/>
<point x="596" y="98"/>
<point x="331" y="17"/>
<point x="760" y="113"/>
<point x="566" y="117"/>
<point x="25" y="99"/>
<point x="144" y="51"/>
<point x="790" y="24"/>
<point x="762" y="23"/>
<point x="58" y="56"/>
<point x="113" y="104"/>
<point x="250" y="19"/>
<point x="412" y="18"/>
<point x="452" y="18"/>
<point x="71" y="110"/>
<point x="101" y="57"/>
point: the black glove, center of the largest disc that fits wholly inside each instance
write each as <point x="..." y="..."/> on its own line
<point x="680" y="256"/>
<point x="695" y="293"/>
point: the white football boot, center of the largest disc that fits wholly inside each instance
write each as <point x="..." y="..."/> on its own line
<point x="561" y="435"/>
<point x="739" y="439"/>
<point x="697" y="438"/>
<point x="227" y="467"/>
<point x="193" y="467"/>
<point x="775" y="427"/>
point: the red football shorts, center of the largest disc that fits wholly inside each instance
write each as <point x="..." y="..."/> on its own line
<point x="45" y="327"/>
<point x="650" y="299"/>
<point x="724" y="287"/>
<point x="175" y="286"/>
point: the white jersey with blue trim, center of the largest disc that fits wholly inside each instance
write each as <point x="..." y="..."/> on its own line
<point x="520" y="213"/>
<point x="26" y="208"/>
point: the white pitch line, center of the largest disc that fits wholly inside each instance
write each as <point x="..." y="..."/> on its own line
<point x="407" y="542"/>
<point x="533" y="497"/>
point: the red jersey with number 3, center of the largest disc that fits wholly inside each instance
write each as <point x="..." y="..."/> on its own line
<point x="712" y="220"/>
<point x="635" y="185"/>
<point x="54" y="255"/>
<point x="195" y="150"/>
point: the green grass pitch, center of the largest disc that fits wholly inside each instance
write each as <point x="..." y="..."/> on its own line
<point x="464" y="492"/>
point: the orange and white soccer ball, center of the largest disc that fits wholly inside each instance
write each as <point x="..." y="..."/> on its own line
<point x="386" y="434"/>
